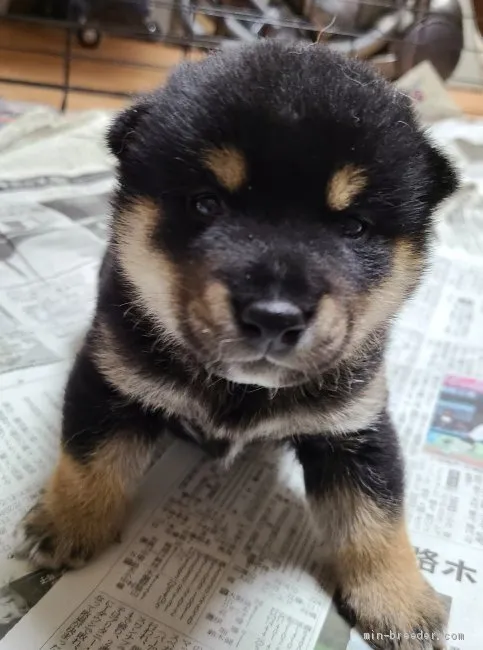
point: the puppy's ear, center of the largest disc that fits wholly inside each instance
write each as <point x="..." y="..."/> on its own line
<point x="443" y="178"/>
<point x="122" y="130"/>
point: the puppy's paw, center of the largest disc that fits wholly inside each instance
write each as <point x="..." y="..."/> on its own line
<point x="79" y="514"/>
<point x="61" y="542"/>
<point x="410" y="617"/>
<point x="48" y="543"/>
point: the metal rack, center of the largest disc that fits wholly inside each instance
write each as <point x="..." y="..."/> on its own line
<point x="393" y="34"/>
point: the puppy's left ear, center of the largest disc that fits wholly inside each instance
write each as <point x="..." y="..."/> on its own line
<point x="122" y="130"/>
<point x="443" y="178"/>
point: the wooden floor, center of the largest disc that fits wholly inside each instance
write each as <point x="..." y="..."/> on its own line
<point x="33" y="53"/>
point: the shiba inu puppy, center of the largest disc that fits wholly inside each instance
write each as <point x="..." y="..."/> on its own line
<point x="273" y="213"/>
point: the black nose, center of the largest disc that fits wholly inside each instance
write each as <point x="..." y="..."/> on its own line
<point x="276" y="322"/>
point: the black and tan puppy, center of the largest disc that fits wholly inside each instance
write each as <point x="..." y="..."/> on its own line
<point x="272" y="215"/>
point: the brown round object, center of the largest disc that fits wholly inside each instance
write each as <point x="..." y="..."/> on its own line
<point x="437" y="38"/>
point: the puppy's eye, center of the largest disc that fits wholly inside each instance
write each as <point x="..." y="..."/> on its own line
<point x="207" y="205"/>
<point x="352" y="227"/>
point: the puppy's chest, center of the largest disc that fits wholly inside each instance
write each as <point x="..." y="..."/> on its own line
<point x="226" y="420"/>
<point x="243" y="417"/>
<point x="212" y="442"/>
<point x="212" y="421"/>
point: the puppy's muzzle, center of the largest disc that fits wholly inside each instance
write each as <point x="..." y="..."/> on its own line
<point x="273" y="326"/>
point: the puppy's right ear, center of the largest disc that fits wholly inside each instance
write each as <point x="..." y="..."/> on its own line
<point x="123" y="129"/>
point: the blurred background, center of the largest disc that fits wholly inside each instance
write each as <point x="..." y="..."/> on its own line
<point x="77" y="54"/>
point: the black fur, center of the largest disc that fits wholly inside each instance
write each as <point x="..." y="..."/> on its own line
<point x="94" y="411"/>
<point x="368" y="461"/>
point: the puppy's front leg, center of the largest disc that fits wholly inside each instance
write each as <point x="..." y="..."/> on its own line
<point x="107" y="444"/>
<point x="354" y="485"/>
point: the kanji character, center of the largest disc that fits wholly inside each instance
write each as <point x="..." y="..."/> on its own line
<point x="461" y="571"/>
<point x="427" y="559"/>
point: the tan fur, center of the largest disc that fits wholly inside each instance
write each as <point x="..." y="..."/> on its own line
<point x="344" y="186"/>
<point x="372" y="561"/>
<point x="148" y="268"/>
<point x="382" y="303"/>
<point x="228" y="165"/>
<point x="382" y="582"/>
<point x="163" y="289"/>
<point x="345" y="519"/>
<point x="357" y="413"/>
<point x="217" y="297"/>
<point x="84" y="504"/>
<point x="209" y="310"/>
<point x="128" y="377"/>
<point x="331" y="322"/>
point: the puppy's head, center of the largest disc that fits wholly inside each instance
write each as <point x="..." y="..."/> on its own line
<point x="274" y="208"/>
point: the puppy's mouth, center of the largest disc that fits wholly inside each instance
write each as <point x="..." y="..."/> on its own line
<point x="260" y="372"/>
<point x="273" y="371"/>
<point x="264" y="354"/>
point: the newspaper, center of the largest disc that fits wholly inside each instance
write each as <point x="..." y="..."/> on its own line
<point x="204" y="564"/>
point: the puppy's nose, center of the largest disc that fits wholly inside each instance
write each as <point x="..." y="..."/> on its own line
<point x="276" y="322"/>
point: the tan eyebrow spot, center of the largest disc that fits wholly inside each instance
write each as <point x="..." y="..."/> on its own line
<point x="344" y="186"/>
<point x="228" y="165"/>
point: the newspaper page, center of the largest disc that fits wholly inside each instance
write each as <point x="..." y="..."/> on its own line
<point x="52" y="236"/>
<point x="47" y="148"/>
<point x="215" y="559"/>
